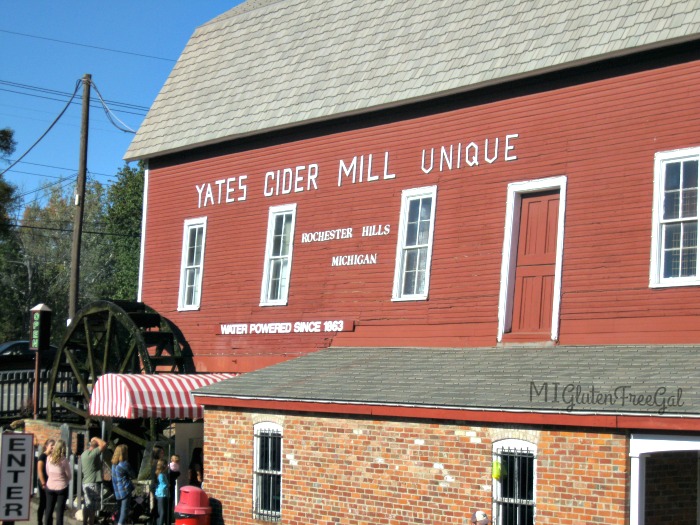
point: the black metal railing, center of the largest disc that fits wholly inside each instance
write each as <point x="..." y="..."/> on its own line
<point x="17" y="392"/>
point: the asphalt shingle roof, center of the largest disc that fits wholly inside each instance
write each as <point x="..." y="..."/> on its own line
<point x="273" y="64"/>
<point x="499" y="378"/>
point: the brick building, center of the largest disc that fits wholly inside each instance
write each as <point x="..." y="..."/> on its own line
<point x="452" y="248"/>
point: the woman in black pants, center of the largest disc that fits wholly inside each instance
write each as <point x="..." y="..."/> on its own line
<point x="41" y="474"/>
<point x="59" y="476"/>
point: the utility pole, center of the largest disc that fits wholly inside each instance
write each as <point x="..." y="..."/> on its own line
<point x="79" y="202"/>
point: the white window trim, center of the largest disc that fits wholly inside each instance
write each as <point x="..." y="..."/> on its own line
<point x="275" y="210"/>
<point x="655" y="278"/>
<point x="144" y="215"/>
<point x="510" y="250"/>
<point x="189" y="223"/>
<point x="262" y="427"/>
<point x="406" y="197"/>
<point x="518" y="444"/>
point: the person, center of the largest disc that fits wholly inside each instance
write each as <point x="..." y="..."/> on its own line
<point x="91" y="463"/>
<point x="174" y="465"/>
<point x="162" y="491"/>
<point x="195" y="476"/>
<point x="173" y="474"/>
<point x="480" y="518"/>
<point x="41" y="473"/>
<point x="157" y="454"/>
<point x="58" y="476"/>
<point x="122" y="474"/>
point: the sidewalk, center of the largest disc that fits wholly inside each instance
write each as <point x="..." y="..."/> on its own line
<point x="68" y="516"/>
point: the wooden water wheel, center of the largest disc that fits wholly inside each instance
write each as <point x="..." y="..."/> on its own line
<point x="112" y="337"/>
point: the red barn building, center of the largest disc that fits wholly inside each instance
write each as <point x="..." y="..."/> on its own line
<point x="451" y="246"/>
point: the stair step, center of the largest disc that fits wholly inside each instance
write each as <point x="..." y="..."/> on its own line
<point x="145" y="320"/>
<point x="158" y="338"/>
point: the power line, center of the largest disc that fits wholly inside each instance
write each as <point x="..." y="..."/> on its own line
<point x="64" y="230"/>
<point x="96" y="173"/>
<point x="86" y="45"/>
<point x="111" y="116"/>
<point x="65" y="94"/>
<point x="49" y="94"/>
<point x="77" y="85"/>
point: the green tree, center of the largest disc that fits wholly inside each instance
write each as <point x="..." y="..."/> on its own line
<point x="8" y="199"/>
<point x="7" y="142"/>
<point x="12" y="272"/>
<point x="125" y="204"/>
<point x="46" y="239"/>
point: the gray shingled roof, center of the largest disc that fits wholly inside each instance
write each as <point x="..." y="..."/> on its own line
<point x="273" y="64"/>
<point x="502" y="378"/>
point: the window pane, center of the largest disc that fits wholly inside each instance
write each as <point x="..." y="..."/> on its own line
<point x="286" y="232"/>
<point x="690" y="203"/>
<point x="426" y="205"/>
<point x="411" y="260"/>
<point x="672" y="204"/>
<point x="191" y="246"/>
<point x="424" y="233"/>
<point x="413" y="210"/>
<point x="275" y="275"/>
<point x="411" y="234"/>
<point x="690" y="174"/>
<point x="672" y="236"/>
<point x="422" y="254"/>
<point x="690" y="249"/>
<point x="673" y="176"/>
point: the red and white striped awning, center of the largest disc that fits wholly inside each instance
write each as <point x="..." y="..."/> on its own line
<point x="167" y="396"/>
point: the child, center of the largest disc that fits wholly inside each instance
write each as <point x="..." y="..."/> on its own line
<point x="175" y="464"/>
<point x="162" y="490"/>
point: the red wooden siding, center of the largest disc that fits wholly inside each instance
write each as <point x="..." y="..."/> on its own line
<point x="601" y="135"/>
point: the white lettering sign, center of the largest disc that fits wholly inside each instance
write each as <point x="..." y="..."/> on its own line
<point x="375" y="230"/>
<point x="226" y="188"/>
<point x="354" y="260"/>
<point x="361" y="170"/>
<point x="297" y="327"/>
<point x="456" y="156"/>
<point x="17" y="460"/>
<point x="288" y="180"/>
<point x="357" y="169"/>
<point x="327" y="235"/>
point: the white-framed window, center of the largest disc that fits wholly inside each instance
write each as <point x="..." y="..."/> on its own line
<point x="414" y="246"/>
<point x="674" y="250"/>
<point x="192" y="263"/>
<point x="267" y="472"/>
<point x="514" y="473"/>
<point x="278" y="255"/>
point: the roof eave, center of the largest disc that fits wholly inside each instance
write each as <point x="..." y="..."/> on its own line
<point x="609" y="420"/>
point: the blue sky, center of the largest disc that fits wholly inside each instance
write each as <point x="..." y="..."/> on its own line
<point x="128" y="46"/>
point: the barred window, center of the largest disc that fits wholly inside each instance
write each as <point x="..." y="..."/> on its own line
<point x="267" y="472"/>
<point x="514" y="483"/>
